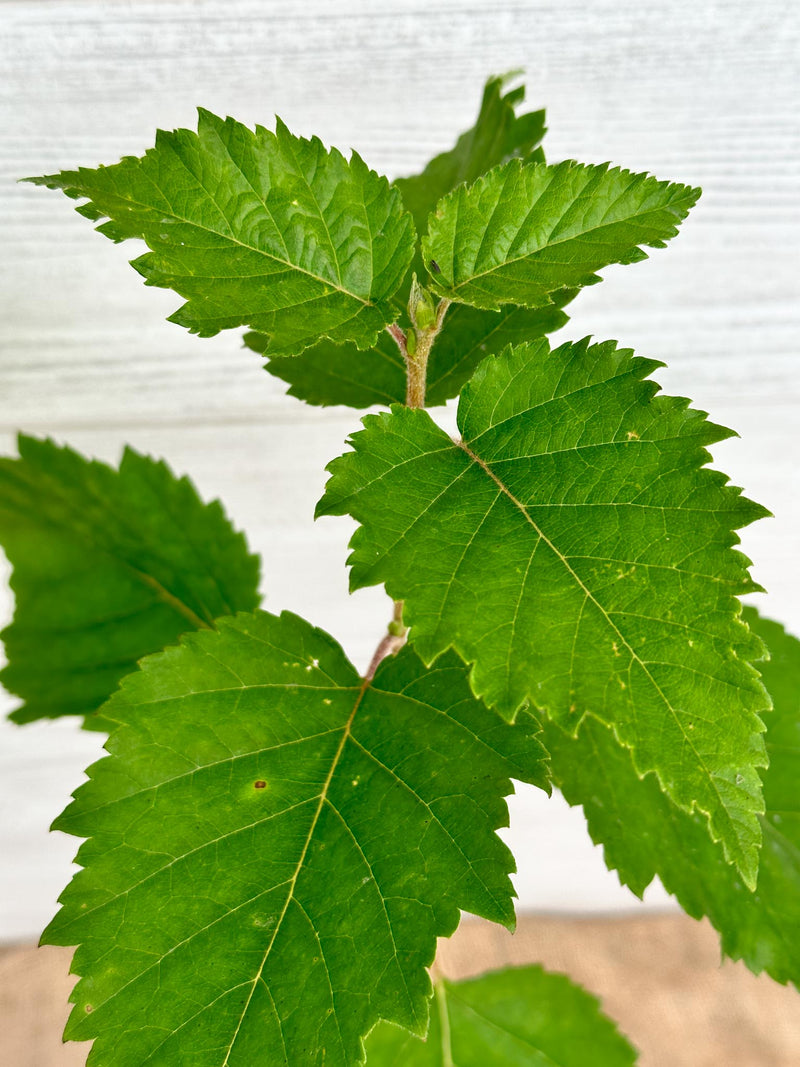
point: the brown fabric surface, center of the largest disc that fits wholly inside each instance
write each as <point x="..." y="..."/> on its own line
<point x="659" y="977"/>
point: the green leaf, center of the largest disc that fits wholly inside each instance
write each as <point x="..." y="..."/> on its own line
<point x="576" y="551"/>
<point x="108" y="566"/>
<point x="644" y="835"/>
<point x="526" y="230"/>
<point x="470" y="335"/>
<point x="499" y="134"/>
<point x="257" y="229"/>
<point x="330" y="373"/>
<point x="519" y="1017"/>
<point x="340" y="374"/>
<point x="275" y="845"/>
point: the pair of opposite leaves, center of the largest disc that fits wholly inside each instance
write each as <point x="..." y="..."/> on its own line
<point x="275" y="188"/>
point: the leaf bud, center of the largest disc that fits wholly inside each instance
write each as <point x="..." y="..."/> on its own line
<point x="421" y="308"/>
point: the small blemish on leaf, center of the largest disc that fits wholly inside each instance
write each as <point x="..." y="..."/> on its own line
<point x="88" y="1009"/>
<point x="260" y="784"/>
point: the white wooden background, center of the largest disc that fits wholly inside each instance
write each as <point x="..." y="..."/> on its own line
<point x="702" y="92"/>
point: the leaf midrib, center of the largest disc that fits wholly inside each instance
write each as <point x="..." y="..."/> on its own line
<point x="321" y="799"/>
<point x="561" y="240"/>
<point x="440" y="993"/>
<point x="526" y="1041"/>
<point x="589" y="596"/>
<point x="290" y="896"/>
<point x="261" y="200"/>
<point x="312" y="194"/>
<point x="163" y="594"/>
<point x="61" y="530"/>
<point x="261" y="750"/>
<point x="234" y="240"/>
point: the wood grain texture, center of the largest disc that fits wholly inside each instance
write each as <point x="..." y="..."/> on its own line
<point x="659" y="978"/>
<point x="701" y="93"/>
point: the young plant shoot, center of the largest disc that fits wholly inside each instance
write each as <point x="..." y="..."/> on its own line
<point x="274" y="842"/>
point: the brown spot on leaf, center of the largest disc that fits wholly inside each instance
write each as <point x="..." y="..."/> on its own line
<point x="260" y="784"/>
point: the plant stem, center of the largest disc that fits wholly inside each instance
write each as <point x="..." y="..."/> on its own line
<point x="396" y="332"/>
<point x="389" y="644"/>
<point x="417" y="365"/>
<point x="393" y="641"/>
<point x="444" y="1021"/>
<point x="416" y="377"/>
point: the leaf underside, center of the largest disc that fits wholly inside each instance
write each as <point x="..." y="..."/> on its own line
<point x="644" y="835"/>
<point x="274" y="847"/>
<point x="574" y="549"/>
<point x="519" y="1017"/>
<point x="257" y="229"/>
<point x="527" y="230"/>
<point x="108" y="566"/>
<point x="341" y="374"/>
